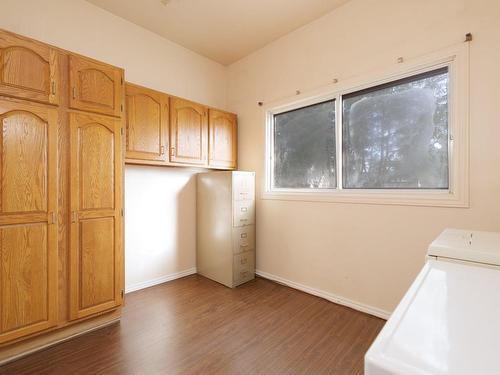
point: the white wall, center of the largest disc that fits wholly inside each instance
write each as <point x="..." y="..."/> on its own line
<point x="159" y="202"/>
<point x="368" y="253"/>
<point x="160" y="221"/>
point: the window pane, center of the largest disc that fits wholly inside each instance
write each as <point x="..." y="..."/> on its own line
<point x="396" y="135"/>
<point x="304" y="147"/>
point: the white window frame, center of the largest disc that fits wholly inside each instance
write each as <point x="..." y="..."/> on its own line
<point x="456" y="59"/>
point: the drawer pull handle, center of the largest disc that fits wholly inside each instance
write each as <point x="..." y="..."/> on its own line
<point x="243" y="219"/>
<point x="244" y="209"/>
<point x="243" y="235"/>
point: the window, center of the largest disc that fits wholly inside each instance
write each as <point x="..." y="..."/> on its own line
<point x="400" y="140"/>
<point x="304" y="147"/>
<point x="395" y="136"/>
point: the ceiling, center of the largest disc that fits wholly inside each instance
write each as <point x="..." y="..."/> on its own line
<point x="222" y="30"/>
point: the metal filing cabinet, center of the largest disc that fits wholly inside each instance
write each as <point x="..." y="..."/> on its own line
<point x="226" y="226"/>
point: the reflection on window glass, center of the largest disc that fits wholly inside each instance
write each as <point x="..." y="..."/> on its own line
<point x="304" y="147"/>
<point x="396" y="135"/>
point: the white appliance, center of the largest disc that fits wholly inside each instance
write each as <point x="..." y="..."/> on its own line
<point x="449" y="320"/>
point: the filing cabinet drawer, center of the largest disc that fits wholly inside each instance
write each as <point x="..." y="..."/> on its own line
<point x="243" y="186"/>
<point x="243" y="239"/>
<point x="244" y="267"/>
<point x="243" y="213"/>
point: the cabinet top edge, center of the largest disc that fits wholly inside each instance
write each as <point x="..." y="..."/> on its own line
<point x="59" y="49"/>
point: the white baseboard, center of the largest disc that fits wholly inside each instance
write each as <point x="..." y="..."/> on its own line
<point x="159" y="280"/>
<point x="328" y="296"/>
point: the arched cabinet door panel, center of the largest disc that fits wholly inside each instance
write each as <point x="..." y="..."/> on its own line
<point x="28" y="69"/>
<point x="188" y="132"/>
<point x="222" y="139"/>
<point x="96" y="214"/>
<point x="95" y="86"/>
<point x="147" y="124"/>
<point x="28" y="230"/>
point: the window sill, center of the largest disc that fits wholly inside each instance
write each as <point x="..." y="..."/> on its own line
<point x="430" y="198"/>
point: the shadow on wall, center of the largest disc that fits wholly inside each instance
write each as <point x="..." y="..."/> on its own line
<point x="185" y="244"/>
<point x="160" y="223"/>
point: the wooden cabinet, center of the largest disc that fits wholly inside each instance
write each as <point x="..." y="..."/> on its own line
<point x="182" y="133"/>
<point x="61" y="200"/>
<point x="96" y="214"/>
<point x="28" y="229"/>
<point x="222" y="139"/>
<point x="147" y="124"/>
<point x="95" y="86"/>
<point x="28" y="70"/>
<point x="188" y="132"/>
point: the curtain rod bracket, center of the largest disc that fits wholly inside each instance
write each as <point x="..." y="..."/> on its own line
<point x="468" y="37"/>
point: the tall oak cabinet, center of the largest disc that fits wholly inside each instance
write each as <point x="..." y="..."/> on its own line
<point x="61" y="201"/>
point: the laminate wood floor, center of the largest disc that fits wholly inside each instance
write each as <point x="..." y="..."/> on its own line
<point x="196" y="326"/>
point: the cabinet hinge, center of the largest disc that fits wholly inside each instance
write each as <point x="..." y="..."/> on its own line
<point x="121" y="131"/>
<point x="121" y="80"/>
<point x="121" y="107"/>
<point x="123" y="293"/>
<point x="121" y="211"/>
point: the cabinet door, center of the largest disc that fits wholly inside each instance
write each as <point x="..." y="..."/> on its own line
<point x="222" y="139"/>
<point x="95" y="87"/>
<point x="96" y="222"/>
<point x="28" y="70"/>
<point x="147" y="124"/>
<point x="28" y="230"/>
<point x="188" y="132"/>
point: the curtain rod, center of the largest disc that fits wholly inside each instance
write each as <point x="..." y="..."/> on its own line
<point x="468" y="38"/>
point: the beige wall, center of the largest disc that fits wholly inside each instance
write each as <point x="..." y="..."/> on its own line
<point x="368" y="253"/>
<point x="159" y="202"/>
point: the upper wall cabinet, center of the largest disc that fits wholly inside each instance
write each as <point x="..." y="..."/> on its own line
<point x="188" y="132"/>
<point x="222" y="139"/>
<point x="147" y="124"/>
<point x="28" y="70"/>
<point x="95" y="86"/>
